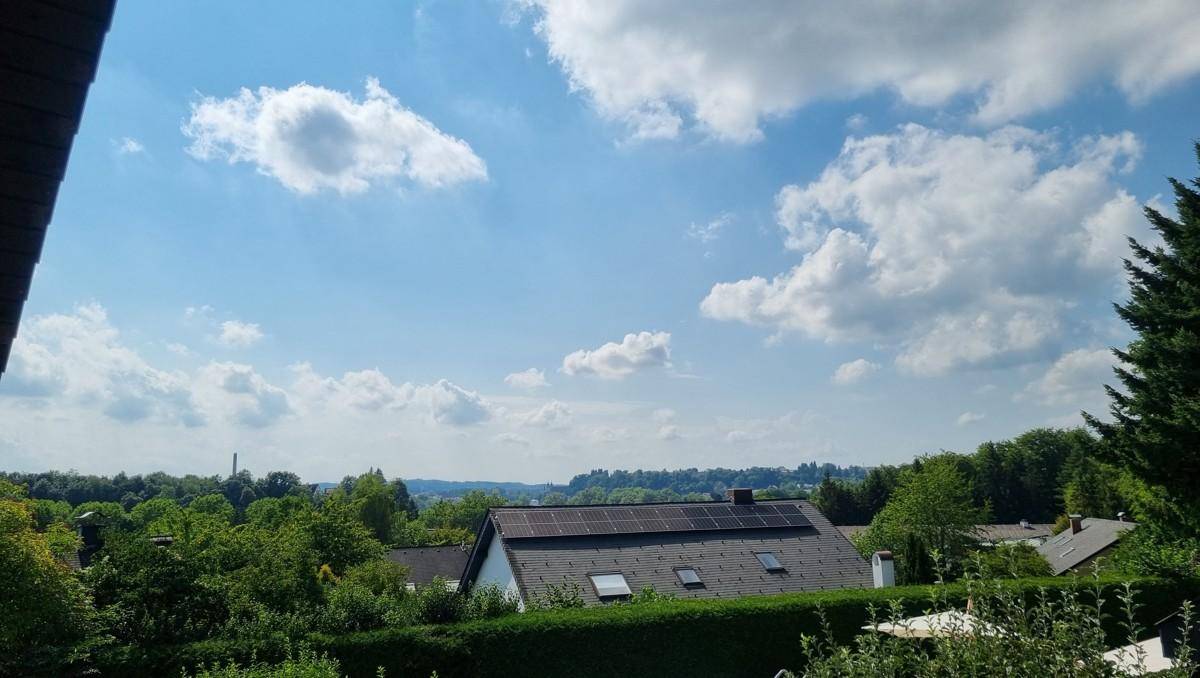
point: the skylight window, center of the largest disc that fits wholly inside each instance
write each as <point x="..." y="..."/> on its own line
<point x="1066" y="553"/>
<point x="689" y="577"/>
<point x="770" y="563"/>
<point x="610" y="585"/>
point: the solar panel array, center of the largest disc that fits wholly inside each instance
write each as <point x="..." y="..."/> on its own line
<point x="598" y="520"/>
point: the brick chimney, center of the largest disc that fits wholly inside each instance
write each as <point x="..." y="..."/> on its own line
<point x="1076" y="523"/>
<point x="740" y="495"/>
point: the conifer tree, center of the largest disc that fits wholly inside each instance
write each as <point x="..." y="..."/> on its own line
<point x="1155" y="432"/>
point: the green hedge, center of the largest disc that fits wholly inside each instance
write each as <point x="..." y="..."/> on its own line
<point x="744" y="637"/>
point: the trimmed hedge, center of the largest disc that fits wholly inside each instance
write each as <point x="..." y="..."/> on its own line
<point x="744" y="637"/>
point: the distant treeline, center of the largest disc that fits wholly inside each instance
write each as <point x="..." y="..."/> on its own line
<point x="713" y="481"/>
<point x="76" y="488"/>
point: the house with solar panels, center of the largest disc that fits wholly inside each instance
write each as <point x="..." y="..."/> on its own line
<point x="729" y="549"/>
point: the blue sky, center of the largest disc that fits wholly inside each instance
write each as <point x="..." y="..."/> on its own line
<point x="523" y="240"/>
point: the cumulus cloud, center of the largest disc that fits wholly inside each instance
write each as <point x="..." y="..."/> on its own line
<point x="635" y="353"/>
<point x="724" y="67"/>
<point x="362" y="390"/>
<point x="554" y="415"/>
<point x="453" y="405"/>
<point x="962" y="250"/>
<point x="968" y="418"/>
<point x="312" y="138"/>
<point x="242" y="394"/>
<point x="1076" y="379"/>
<point x="528" y="380"/>
<point x="79" y="357"/>
<point x="854" y="371"/>
<point x="237" y="334"/>
<point x="512" y="439"/>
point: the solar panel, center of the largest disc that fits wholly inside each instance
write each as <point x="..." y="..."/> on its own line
<point x="560" y="522"/>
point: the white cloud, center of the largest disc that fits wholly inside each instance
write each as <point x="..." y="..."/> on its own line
<point x="854" y="371"/>
<point x="1076" y="379"/>
<point x="527" y="380"/>
<point x="968" y="418"/>
<point x="363" y="390"/>
<point x="79" y="358"/>
<point x="453" y="405"/>
<point x="663" y="415"/>
<point x="668" y="432"/>
<point x="129" y="146"/>
<point x="553" y="415"/>
<point x="242" y="394"/>
<point x="960" y="250"/>
<point x="179" y="349"/>
<point x="857" y="122"/>
<point x="237" y="334"/>
<point x="706" y="233"/>
<point x="636" y="352"/>
<point x="727" y="67"/>
<point x="512" y="439"/>
<point x="312" y="138"/>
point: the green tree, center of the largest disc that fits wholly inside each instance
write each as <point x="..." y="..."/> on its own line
<point x="1155" y="432"/>
<point x="46" y="611"/>
<point x="214" y="505"/>
<point x="836" y="501"/>
<point x="931" y="509"/>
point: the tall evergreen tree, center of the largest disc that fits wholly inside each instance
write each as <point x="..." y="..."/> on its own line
<point x="1155" y="432"/>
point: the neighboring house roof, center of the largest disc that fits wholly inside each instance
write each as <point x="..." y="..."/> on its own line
<point x="1068" y="550"/>
<point x="992" y="533"/>
<point x="49" y="50"/>
<point x="426" y="562"/>
<point x="647" y="543"/>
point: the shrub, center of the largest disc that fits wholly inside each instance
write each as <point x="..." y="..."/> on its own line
<point x="1007" y="634"/>
<point x="305" y="665"/>
<point x="1009" y="560"/>
<point x="754" y="636"/>
<point x="438" y="603"/>
<point x="562" y="596"/>
<point x="490" y="601"/>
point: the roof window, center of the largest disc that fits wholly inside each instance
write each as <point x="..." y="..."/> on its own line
<point x="770" y="563"/>
<point x="610" y="585"/>
<point x="689" y="577"/>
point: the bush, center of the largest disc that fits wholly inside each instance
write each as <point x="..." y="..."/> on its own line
<point x="1007" y="634"/>
<point x="562" y="596"/>
<point x="438" y="603"/>
<point x="306" y="665"/>
<point x="491" y="601"/>
<point x="754" y="636"/>
<point x="1009" y="560"/>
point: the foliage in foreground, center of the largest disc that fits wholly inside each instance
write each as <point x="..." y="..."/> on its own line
<point x="307" y="664"/>
<point x="1057" y="634"/>
<point x="751" y="637"/>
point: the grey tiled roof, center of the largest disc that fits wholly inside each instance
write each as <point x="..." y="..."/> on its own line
<point x="991" y="532"/>
<point x="1065" y="550"/>
<point x="815" y="557"/>
<point x="426" y="562"/>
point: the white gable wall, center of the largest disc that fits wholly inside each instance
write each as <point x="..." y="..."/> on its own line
<point x="496" y="570"/>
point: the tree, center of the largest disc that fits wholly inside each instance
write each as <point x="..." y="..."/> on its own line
<point x="1155" y="432"/>
<point x="930" y="510"/>
<point x="46" y="610"/>
<point x="277" y="484"/>
<point x="836" y="501"/>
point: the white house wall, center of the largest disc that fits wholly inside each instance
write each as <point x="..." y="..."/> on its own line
<point x="496" y="570"/>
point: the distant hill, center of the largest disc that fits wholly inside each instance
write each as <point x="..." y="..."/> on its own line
<point x="454" y="488"/>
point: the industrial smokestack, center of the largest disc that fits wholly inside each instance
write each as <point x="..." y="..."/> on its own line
<point x="234" y="464"/>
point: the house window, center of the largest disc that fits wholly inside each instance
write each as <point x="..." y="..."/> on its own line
<point x="770" y="563"/>
<point x="689" y="577"/>
<point x="610" y="585"/>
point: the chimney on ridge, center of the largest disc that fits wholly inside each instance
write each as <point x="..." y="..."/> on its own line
<point x="1122" y="516"/>
<point x="740" y="495"/>
<point x="1076" y="523"/>
<point x="883" y="569"/>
